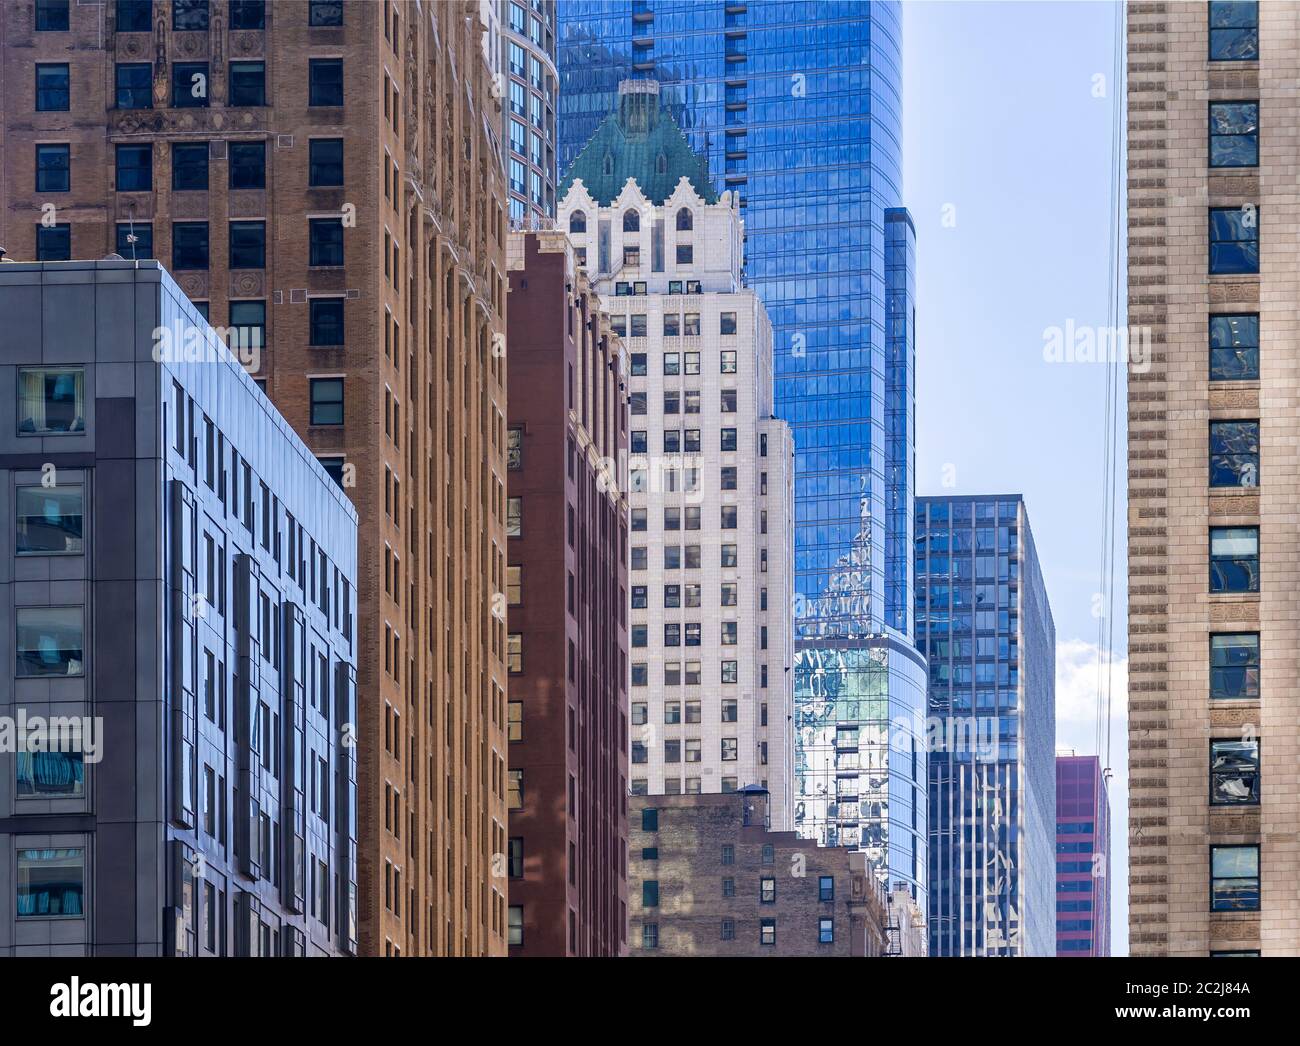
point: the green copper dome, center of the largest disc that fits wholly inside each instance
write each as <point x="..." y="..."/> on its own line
<point x="641" y="141"/>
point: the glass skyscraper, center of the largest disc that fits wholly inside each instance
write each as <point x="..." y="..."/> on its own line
<point x="985" y="626"/>
<point x="796" y="107"/>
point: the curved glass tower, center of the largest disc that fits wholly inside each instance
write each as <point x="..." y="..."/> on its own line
<point x="797" y="108"/>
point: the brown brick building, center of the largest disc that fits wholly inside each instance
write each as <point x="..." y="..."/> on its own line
<point x="1214" y="619"/>
<point x="567" y="589"/>
<point x="706" y="877"/>
<point x="324" y="175"/>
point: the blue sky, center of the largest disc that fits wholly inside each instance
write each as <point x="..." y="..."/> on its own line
<point x="1007" y="139"/>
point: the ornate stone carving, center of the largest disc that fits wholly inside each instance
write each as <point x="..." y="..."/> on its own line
<point x="249" y="283"/>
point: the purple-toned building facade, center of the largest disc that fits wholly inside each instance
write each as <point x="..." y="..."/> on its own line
<point x="1082" y="857"/>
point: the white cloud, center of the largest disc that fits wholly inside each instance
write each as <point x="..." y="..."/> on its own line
<point x="1078" y="666"/>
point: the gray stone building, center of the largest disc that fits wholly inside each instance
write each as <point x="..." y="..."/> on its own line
<point x="178" y="575"/>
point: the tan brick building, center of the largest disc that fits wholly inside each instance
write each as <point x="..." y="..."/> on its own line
<point x="707" y="877"/>
<point x="1214" y="619"/>
<point x="325" y="175"/>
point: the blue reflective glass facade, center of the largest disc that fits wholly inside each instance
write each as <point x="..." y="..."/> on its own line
<point x="797" y="108"/>
<point x="985" y="626"/>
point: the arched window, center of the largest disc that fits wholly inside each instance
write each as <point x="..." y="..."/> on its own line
<point x="631" y="221"/>
<point x="577" y="222"/>
<point x="609" y="163"/>
<point x="685" y="219"/>
<point x="661" y="164"/>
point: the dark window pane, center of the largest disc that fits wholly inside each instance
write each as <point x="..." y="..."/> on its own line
<point x="134" y="16"/>
<point x="247" y="83"/>
<point x="326" y="241"/>
<point x="1234" y="454"/>
<point x="1234" y="31"/>
<point x="326" y="321"/>
<point x="326" y="167"/>
<point x="325" y="12"/>
<point x="190" y="166"/>
<point x="189" y="14"/>
<point x="247" y="163"/>
<point x="52" y="16"/>
<point x="247" y="14"/>
<point x="1234" y="134"/>
<point x="325" y="79"/>
<point x="51" y="883"/>
<point x="141" y="246"/>
<point x="1234" y="239"/>
<point x="51" y="88"/>
<point x="50" y="641"/>
<point x="1234" y="878"/>
<point x="1234" y="559"/>
<point x="1234" y="665"/>
<point x="54" y="242"/>
<point x="248" y="245"/>
<point x="52" y="168"/>
<point x="50" y="520"/>
<point x="190" y="85"/>
<point x="248" y="319"/>
<point x="327" y="401"/>
<point x="134" y="168"/>
<point x="134" y="85"/>
<point x="189" y="245"/>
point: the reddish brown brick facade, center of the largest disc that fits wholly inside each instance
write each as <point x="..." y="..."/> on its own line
<point x="568" y="622"/>
<point x="422" y="436"/>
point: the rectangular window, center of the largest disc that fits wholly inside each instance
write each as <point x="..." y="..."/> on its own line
<point x="248" y="245"/>
<point x="51" y="400"/>
<point x="650" y="820"/>
<point x="1234" y="453"/>
<point x="515" y="790"/>
<point x="767" y="890"/>
<point x="650" y="936"/>
<point x="685" y="255"/>
<point x="1234" y="134"/>
<point x="825" y="888"/>
<point x="767" y="932"/>
<point x="190" y="85"/>
<point x="50" y="641"/>
<point x="730" y="747"/>
<point x="727" y="323"/>
<point x="1234" y="31"/>
<point x="515" y="653"/>
<point x="248" y="318"/>
<point x="1234" y="878"/>
<point x="1234" y="665"/>
<point x="515" y="928"/>
<point x="326" y="401"/>
<point x="189" y="14"/>
<point x="51" y="775"/>
<point x="1234" y="347"/>
<point x="325" y="80"/>
<point x="247" y="14"/>
<point x="650" y="893"/>
<point x="134" y="16"/>
<point x="247" y="84"/>
<point x="53" y="168"/>
<point x="825" y="931"/>
<point x="728" y="439"/>
<point x="50" y="521"/>
<point x="189" y="245"/>
<point x="247" y="162"/>
<point x="326" y="162"/>
<point x="1234" y="773"/>
<point x="51" y="882"/>
<point x="134" y="168"/>
<point x="190" y="166"/>
<point x="133" y="83"/>
<point x="52" y="93"/>
<point x="326" y="241"/>
<point x="514" y="517"/>
<point x="691" y="325"/>
<point x="1234" y="559"/>
<point x="728" y="361"/>
<point x="1234" y="240"/>
<point x="329" y="13"/>
<point x="326" y="321"/>
<point x="515" y="721"/>
<point x="52" y="16"/>
<point x="54" y="242"/>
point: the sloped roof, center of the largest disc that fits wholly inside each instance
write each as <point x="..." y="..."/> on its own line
<point x="639" y="140"/>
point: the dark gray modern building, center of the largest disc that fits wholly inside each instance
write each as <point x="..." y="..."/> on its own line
<point x="985" y="626"/>
<point x="177" y="568"/>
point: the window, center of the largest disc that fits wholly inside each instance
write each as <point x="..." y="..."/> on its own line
<point x="514" y="517"/>
<point x="1234" y="347"/>
<point x="325" y="80"/>
<point x="730" y="746"/>
<point x="729" y="517"/>
<point x="825" y="888"/>
<point x="51" y="775"/>
<point x="685" y="255"/>
<point x="767" y="890"/>
<point x="134" y="85"/>
<point x="326" y="241"/>
<point x="248" y="318"/>
<point x="650" y="820"/>
<point x="54" y="242"/>
<point x="650" y="935"/>
<point x="515" y="653"/>
<point x="1234" y="878"/>
<point x="727" y="323"/>
<point x="515" y="926"/>
<point x="730" y="672"/>
<point x="327" y="13"/>
<point x="134" y="168"/>
<point x="326" y="401"/>
<point x="247" y="84"/>
<point x="50" y="521"/>
<point x="51" y="400"/>
<point x="727" y="477"/>
<point x="189" y="245"/>
<point x="1234" y="31"/>
<point x="1234" y="240"/>
<point x="248" y="245"/>
<point x="1234" y="665"/>
<point x="326" y="321"/>
<point x="1234" y="453"/>
<point x="728" y="401"/>
<point x="730" y="710"/>
<point x="728" y="361"/>
<point x="247" y="14"/>
<point x="650" y="893"/>
<point x="1234" y="773"/>
<point x="52" y="16"/>
<point x="1234" y="559"/>
<point x="53" y="167"/>
<point x="50" y="641"/>
<point x="730" y="556"/>
<point x="189" y="14"/>
<point x="825" y="931"/>
<point x="134" y="16"/>
<point x="52" y="88"/>
<point x="326" y="162"/>
<point x="1234" y="134"/>
<point x="51" y="880"/>
<point x="685" y="220"/>
<point x="515" y="790"/>
<point x="515" y="721"/>
<point x="691" y="324"/>
<point x="190" y="85"/>
<point x="189" y="166"/>
<point x="767" y="932"/>
<point x="728" y="932"/>
<point x="728" y="439"/>
<point x="247" y="165"/>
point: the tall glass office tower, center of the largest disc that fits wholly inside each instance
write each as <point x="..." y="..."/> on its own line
<point x="796" y="107"/>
